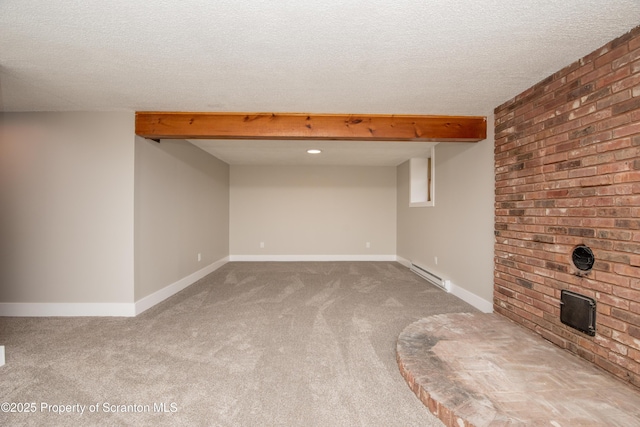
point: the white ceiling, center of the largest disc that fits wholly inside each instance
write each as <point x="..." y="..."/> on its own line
<point x="446" y="57"/>
<point x="345" y="153"/>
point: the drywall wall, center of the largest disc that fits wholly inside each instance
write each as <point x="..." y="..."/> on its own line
<point x="458" y="230"/>
<point x="181" y="210"/>
<point x="304" y="211"/>
<point x="66" y="208"/>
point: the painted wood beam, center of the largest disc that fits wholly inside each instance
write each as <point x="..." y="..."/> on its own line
<point x="364" y="127"/>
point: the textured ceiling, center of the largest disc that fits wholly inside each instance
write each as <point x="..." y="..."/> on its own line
<point x="447" y="57"/>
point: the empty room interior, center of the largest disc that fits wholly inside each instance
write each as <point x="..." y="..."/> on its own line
<point x="338" y="213"/>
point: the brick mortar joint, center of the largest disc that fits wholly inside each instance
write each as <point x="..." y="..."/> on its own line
<point x="420" y="391"/>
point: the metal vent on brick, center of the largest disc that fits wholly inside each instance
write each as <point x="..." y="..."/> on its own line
<point x="578" y="311"/>
<point x="583" y="258"/>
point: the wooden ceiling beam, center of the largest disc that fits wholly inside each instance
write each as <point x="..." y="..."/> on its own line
<point x="364" y="127"/>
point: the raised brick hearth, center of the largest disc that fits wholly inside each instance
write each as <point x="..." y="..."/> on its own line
<point x="567" y="164"/>
<point x="473" y="369"/>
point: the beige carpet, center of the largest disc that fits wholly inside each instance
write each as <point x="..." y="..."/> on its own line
<point x="252" y="344"/>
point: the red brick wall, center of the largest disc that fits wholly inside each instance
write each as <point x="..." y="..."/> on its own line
<point x="567" y="159"/>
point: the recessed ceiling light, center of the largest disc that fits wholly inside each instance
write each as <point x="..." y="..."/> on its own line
<point x="314" y="151"/>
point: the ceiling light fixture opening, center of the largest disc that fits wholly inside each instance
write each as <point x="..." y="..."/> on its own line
<point x="314" y="151"/>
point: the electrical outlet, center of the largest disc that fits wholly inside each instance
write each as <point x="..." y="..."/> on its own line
<point x="199" y="257"/>
<point x="261" y="245"/>
<point x="368" y="245"/>
<point x="435" y="259"/>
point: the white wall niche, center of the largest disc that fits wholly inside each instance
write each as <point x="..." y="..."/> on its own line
<point x="422" y="180"/>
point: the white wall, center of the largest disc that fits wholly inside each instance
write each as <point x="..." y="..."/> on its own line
<point x="181" y="210"/>
<point x="458" y="230"/>
<point x="304" y="211"/>
<point x="66" y="208"/>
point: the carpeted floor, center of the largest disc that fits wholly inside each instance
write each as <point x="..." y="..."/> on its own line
<point x="252" y="344"/>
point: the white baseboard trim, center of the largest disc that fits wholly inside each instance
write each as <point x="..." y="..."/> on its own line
<point x="133" y="309"/>
<point x="1" y="355"/>
<point x="105" y="309"/>
<point x="470" y="298"/>
<point x="66" y="309"/>
<point x="403" y="261"/>
<point x="297" y="258"/>
<point x="168" y="291"/>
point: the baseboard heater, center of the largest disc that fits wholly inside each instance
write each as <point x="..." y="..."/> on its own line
<point x="430" y="277"/>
